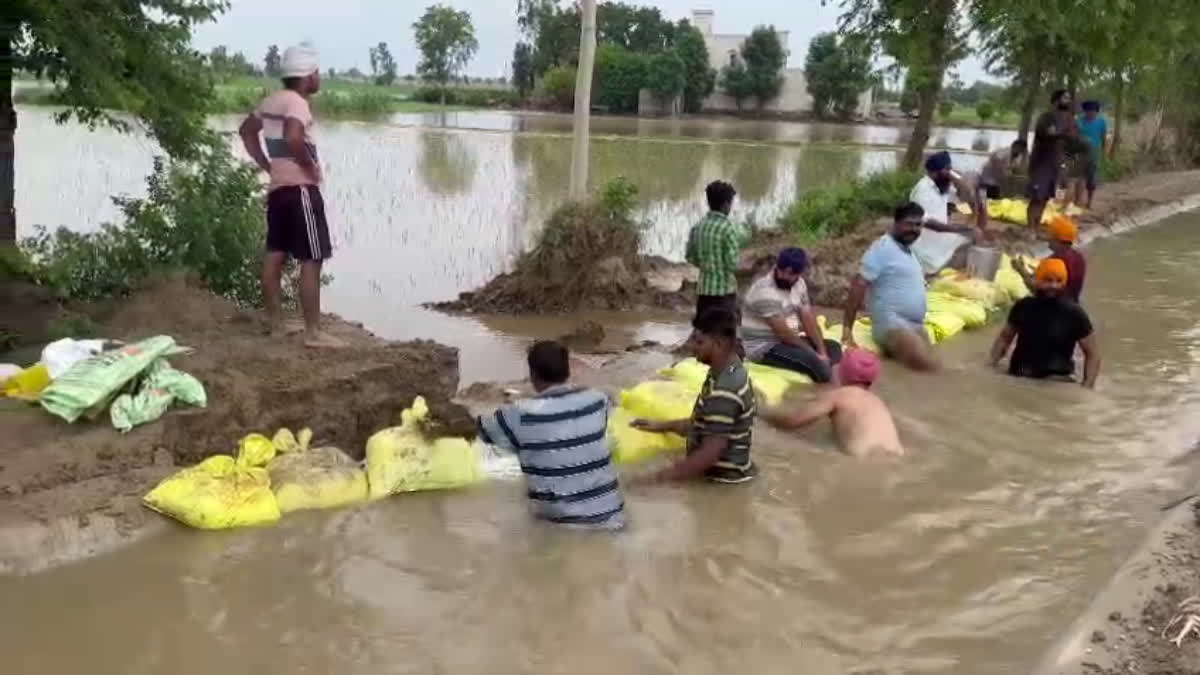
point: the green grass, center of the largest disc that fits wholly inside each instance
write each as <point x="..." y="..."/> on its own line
<point x="965" y="116"/>
<point x="839" y="209"/>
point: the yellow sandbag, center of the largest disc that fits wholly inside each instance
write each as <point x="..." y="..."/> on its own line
<point x="660" y="400"/>
<point x="942" y="326"/>
<point x="973" y="314"/>
<point x="982" y="292"/>
<point x="863" y="337"/>
<point x="689" y="372"/>
<point x="216" y="494"/>
<point x="255" y="450"/>
<point x="1009" y="282"/>
<point x="772" y="382"/>
<point x="632" y="446"/>
<point x="402" y="459"/>
<point x="286" y="441"/>
<point x="316" y="478"/>
<point x="28" y="384"/>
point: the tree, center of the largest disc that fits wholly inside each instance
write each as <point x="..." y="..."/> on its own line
<point x="765" y="58"/>
<point x="522" y="68"/>
<point x="666" y="75"/>
<point x="923" y="36"/>
<point x="102" y="55"/>
<point x="619" y="76"/>
<point x="735" y="82"/>
<point x="638" y="29"/>
<point x="699" y="78"/>
<point x="836" y="75"/>
<point x="945" y="108"/>
<point x="581" y="133"/>
<point x="383" y="65"/>
<point x="985" y="110"/>
<point x="226" y="65"/>
<point x="446" y="40"/>
<point x="272" y="63"/>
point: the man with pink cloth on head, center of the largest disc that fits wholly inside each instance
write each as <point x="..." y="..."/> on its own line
<point x="861" y="420"/>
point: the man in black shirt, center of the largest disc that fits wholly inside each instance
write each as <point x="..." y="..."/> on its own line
<point x="1047" y="326"/>
<point x="1050" y="135"/>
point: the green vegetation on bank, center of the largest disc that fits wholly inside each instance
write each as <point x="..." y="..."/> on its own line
<point x="836" y="210"/>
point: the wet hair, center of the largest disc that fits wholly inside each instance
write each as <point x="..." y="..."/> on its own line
<point x="1058" y="93"/>
<point x="716" y="322"/>
<point x="719" y="193"/>
<point x="1091" y="106"/>
<point x="292" y="83"/>
<point x="549" y="361"/>
<point x="1019" y="147"/>
<point x="909" y="210"/>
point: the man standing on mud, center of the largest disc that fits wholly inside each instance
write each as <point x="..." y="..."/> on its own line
<point x="895" y="279"/>
<point x="296" y="225"/>
<point x="1050" y="135"/>
<point x="713" y="246"/>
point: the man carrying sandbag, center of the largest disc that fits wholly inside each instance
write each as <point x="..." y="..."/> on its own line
<point x="776" y="307"/>
<point x="1047" y="326"/>
<point x="896" y="282"/>
<point x="560" y="437"/>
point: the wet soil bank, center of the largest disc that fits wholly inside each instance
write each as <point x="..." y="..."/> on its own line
<point x="1133" y="624"/>
<point x="70" y="491"/>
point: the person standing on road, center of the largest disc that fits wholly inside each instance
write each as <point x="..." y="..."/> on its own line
<point x="1094" y="129"/>
<point x="896" y="281"/>
<point x="713" y="246"/>
<point x="1050" y="136"/>
<point x="1047" y="326"/>
<point x="779" y="327"/>
<point x="296" y="224"/>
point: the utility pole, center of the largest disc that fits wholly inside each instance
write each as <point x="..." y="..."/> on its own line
<point x="583" y="102"/>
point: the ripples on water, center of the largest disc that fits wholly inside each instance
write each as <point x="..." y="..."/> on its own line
<point x="1016" y="504"/>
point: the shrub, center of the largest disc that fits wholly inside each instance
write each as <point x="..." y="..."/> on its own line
<point x="476" y="97"/>
<point x="945" y="109"/>
<point x="558" y="87"/>
<point x="204" y="217"/>
<point x="839" y="209"/>
<point x="985" y="110"/>
<point x="620" y="74"/>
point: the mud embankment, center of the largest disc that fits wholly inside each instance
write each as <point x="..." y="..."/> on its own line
<point x="69" y="491"/>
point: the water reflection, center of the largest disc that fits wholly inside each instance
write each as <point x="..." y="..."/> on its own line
<point x="447" y="163"/>
<point x="818" y="166"/>
<point x="752" y="169"/>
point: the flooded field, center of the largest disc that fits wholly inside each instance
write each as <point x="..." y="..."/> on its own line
<point x="1017" y="502"/>
<point x="429" y="206"/>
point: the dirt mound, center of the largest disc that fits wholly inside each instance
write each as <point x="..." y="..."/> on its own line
<point x="49" y="469"/>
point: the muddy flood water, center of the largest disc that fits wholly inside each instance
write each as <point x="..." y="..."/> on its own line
<point x="1016" y="504"/>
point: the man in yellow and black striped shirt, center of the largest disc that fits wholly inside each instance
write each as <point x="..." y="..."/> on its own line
<point x="718" y="432"/>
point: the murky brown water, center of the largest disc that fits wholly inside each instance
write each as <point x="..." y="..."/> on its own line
<point x="1018" y="501"/>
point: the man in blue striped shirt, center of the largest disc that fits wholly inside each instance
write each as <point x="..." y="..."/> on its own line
<point x="560" y="437"/>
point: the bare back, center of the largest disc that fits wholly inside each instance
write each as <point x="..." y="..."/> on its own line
<point x="863" y="424"/>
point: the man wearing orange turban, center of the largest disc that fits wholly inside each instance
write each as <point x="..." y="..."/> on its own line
<point x="1046" y="326"/>
<point x="1061" y="234"/>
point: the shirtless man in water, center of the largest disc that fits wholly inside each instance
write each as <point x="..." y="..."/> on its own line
<point x="861" y="420"/>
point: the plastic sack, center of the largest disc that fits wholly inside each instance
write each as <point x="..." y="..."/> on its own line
<point x="89" y="384"/>
<point x="863" y="336"/>
<point x="973" y="314"/>
<point x="772" y="382"/>
<point x="982" y="292"/>
<point x="633" y="446"/>
<point x="688" y="372"/>
<point x="161" y="386"/>
<point x="1009" y="282"/>
<point x="255" y="450"/>
<point x="942" y="326"/>
<point x="28" y="384"/>
<point x="935" y="249"/>
<point x="60" y="355"/>
<point x="216" y="494"/>
<point x="660" y="400"/>
<point x="402" y="459"/>
<point x="316" y="478"/>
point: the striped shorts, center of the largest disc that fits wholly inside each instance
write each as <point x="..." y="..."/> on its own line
<point x="296" y="222"/>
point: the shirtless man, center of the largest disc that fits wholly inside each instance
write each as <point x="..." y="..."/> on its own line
<point x="861" y="420"/>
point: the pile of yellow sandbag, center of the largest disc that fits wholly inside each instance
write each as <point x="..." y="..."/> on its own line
<point x="273" y="476"/>
<point x="1017" y="210"/>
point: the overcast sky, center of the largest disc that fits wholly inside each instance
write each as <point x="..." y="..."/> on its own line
<point x="344" y="29"/>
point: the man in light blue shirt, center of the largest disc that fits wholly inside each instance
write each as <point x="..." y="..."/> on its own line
<point x="896" y="281"/>
<point x="1094" y="129"/>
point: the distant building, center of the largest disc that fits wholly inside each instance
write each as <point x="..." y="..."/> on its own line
<point x="723" y="48"/>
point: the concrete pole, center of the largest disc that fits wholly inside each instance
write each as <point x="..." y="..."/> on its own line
<point x="583" y="102"/>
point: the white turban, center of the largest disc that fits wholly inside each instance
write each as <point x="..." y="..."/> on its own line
<point x="299" y="61"/>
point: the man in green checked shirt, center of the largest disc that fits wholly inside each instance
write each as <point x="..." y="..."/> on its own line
<point x="713" y="246"/>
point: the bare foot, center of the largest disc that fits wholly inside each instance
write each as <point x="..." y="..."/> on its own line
<point x="283" y="328"/>
<point x="322" y="340"/>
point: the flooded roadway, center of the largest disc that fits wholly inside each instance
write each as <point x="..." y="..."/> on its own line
<point x="1017" y="502"/>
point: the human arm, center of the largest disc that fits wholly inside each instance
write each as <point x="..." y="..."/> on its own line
<point x="499" y="428"/>
<point x="681" y="427"/>
<point x="293" y="136"/>
<point x="1091" y="360"/>
<point x="249" y="131"/>
<point x="694" y="464"/>
<point x="854" y="300"/>
<point x="808" y="320"/>
<point x="692" y="252"/>
<point x="1003" y="342"/>
<point x="810" y="412"/>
